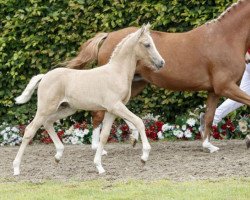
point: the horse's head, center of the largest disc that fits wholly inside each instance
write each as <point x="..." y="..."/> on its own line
<point x="145" y="49"/>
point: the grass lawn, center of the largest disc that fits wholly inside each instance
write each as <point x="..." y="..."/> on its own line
<point x="134" y="189"/>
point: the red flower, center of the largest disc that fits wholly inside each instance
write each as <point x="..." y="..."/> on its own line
<point x="216" y="135"/>
<point x="159" y="125"/>
<point x="198" y="136"/>
<point x="124" y="127"/>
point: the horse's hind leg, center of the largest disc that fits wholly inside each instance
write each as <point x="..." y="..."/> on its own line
<point x="97" y="118"/>
<point x="235" y="93"/>
<point x="30" y="132"/>
<point x="107" y="123"/>
<point x="212" y="102"/>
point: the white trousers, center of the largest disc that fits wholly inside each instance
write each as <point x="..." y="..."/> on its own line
<point x="229" y="105"/>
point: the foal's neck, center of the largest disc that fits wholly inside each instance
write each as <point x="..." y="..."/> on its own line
<point x="125" y="61"/>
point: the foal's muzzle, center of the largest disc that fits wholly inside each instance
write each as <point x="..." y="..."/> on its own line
<point x="159" y="64"/>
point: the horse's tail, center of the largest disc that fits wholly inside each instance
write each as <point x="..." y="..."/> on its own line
<point x="29" y="90"/>
<point x="88" y="52"/>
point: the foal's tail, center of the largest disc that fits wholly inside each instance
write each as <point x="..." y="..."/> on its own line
<point x="88" y="52"/>
<point x="29" y="90"/>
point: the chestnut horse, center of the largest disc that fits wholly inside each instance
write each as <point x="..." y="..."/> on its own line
<point x="209" y="57"/>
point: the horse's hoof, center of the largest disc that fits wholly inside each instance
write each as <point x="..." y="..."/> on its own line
<point x="247" y="140"/>
<point x="214" y="149"/>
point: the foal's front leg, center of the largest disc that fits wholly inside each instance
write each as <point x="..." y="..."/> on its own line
<point x="122" y="111"/>
<point x="107" y="124"/>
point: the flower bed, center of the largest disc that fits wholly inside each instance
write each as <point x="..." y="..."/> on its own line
<point x="186" y="127"/>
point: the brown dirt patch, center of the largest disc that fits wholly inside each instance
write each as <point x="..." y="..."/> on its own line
<point x="178" y="161"/>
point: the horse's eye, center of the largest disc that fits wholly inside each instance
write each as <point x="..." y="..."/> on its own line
<point x="147" y="45"/>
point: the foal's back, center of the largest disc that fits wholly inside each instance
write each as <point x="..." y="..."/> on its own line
<point x="81" y="89"/>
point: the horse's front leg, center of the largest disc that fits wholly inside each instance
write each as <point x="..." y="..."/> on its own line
<point x="121" y="110"/>
<point x="212" y="102"/>
<point x="107" y="124"/>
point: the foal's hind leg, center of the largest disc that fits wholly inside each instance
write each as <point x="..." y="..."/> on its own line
<point x="212" y="102"/>
<point x="30" y="132"/>
<point x="107" y="123"/>
<point x="57" y="142"/>
<point x="60" y="114"/>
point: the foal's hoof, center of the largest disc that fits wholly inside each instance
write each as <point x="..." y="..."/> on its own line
<point x="247" y="140"/>
<point x="133" y="141"/>
<point x="57" y="159"/>
<point x="143" y="162"/>
<point x="16" y="171"/>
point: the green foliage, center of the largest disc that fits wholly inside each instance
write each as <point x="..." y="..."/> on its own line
<point x="36" y="34"/>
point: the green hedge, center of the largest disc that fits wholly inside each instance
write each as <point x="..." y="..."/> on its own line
<point x="37" y="34"/>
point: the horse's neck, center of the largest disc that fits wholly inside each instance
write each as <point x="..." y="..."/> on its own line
<point x="235" y="25"/>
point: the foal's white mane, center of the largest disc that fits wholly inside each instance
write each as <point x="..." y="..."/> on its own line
<point x="119" y="46"/>
<point x="227" y="11"/>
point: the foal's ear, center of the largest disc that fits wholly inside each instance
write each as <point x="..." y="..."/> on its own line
<point x="145" y="28"/>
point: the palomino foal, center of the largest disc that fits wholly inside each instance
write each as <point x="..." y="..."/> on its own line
<point x="62" y="91"/>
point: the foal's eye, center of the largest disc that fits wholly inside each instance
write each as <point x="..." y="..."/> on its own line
<point x="147" y="45"/>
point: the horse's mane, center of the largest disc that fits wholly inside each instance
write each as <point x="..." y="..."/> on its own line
<point x="119" y="46"/>
<point x="228" y="10"/>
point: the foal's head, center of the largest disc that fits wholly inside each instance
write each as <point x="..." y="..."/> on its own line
<point x="145" y="49"/>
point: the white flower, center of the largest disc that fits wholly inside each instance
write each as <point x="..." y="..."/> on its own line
<point x="191" y="122"/>
<point x="151" y="117"/>
<point x="167" y="127"/>
<point x="14" y="129"/>
<point x="188" y="133"/>
<point x="78" y="132"/>
<point x="178" y="133"/>
<point x="184" y="127"/>
<point x="160" y="135"/>
<point x="66" y="140"/>
<point x="74" y="140"/>
<point x="69" y="131"/>
<point x="85" y="132"/>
